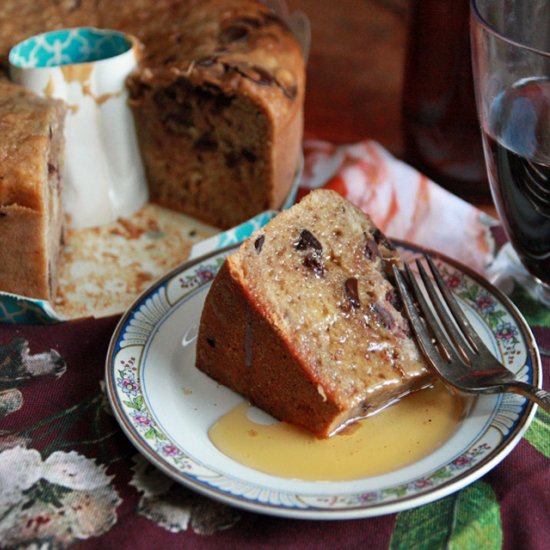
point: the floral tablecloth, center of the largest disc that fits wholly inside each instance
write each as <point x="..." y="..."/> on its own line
<point x="69" y="477"/>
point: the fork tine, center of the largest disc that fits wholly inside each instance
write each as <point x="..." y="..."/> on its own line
<point x="423" y="337"/>
<point x="454" y="332"/>
<point x="433" y="324"/>
<point x="460" y="318"/>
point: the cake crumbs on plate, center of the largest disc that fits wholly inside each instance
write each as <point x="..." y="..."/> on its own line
<point x="103" y="269"/>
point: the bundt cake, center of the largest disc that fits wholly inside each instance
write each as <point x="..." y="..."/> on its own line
<point x="304" y="320"/>
<point x="218" y="108"/>
<point x="217" y="98"/>
<point x="31" y="168"/>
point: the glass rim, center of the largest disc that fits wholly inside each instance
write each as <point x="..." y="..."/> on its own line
<point x="474" y="11"/>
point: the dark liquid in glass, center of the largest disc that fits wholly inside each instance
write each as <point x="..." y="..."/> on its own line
<point x="440" y="123"/>
<point x="518" y="153"/>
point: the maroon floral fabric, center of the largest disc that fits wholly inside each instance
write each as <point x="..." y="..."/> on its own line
<point x="68" y="413"/>
<point x="85" y="484"/>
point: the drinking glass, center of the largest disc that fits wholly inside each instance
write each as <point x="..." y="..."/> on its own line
<point x="511" y="65"/>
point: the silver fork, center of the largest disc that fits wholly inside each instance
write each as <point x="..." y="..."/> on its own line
<point x="451" y="345"/>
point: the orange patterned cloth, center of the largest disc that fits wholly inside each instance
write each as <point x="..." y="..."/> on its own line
<point x="404" y="203"/>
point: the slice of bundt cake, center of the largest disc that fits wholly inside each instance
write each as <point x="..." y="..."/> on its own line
<point x="305" y="322"/>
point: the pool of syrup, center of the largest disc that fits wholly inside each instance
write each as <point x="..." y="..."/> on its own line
<point x="399" y="435"/>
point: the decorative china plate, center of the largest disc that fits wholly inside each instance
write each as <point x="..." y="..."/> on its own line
<point x="166" y="406"/>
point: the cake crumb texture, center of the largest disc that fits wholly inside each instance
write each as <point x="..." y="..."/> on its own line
<point x="31" y="183"/>
<point x="103" y="269"/>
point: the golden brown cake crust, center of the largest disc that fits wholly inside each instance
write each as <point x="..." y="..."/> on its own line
<point x="237" y="45"/>
<point x="304" y="320"/>
<point x="24" y="264"/>
<point x="30" y="191"/>
<point x="24" y="123"/>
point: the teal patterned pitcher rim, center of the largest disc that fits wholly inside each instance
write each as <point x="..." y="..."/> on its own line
<point x="69" y="47"/>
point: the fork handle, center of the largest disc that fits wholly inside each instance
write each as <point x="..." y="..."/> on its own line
<point x="533" y="393"/>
